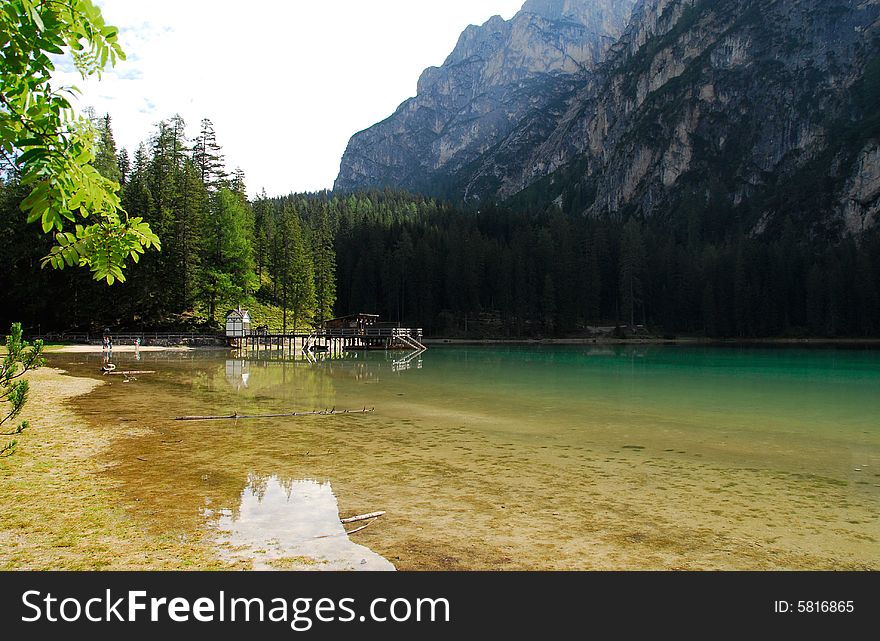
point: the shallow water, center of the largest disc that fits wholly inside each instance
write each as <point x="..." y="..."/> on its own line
<point x="290" y="525"/>
<point x="551" y="457"/>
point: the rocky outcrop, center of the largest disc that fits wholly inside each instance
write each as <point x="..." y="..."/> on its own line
<point x="496" y="76"/>
<point x="762" y="110"/>
<point x="860" y="204"/>
<point x="752" y="110"/>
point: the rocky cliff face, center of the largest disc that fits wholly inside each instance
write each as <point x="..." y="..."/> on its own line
<point x="746" y="111"/>
<point x="495" y="77"/>
<point x="759" y="109"/>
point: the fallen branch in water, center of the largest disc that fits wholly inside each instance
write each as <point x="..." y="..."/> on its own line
<point x="358" y="529"/>
<point x="362" y="517"/>
<point x="372" y="516"/>
<point x="238" y="416"/>
<point x="129" y="372"/>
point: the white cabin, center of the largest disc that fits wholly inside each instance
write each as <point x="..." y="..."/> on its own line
<point x="238" y="323"/>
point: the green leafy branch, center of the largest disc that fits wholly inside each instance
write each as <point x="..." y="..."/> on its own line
<point x="51" y="148"/>
<point x="20" y="357"/>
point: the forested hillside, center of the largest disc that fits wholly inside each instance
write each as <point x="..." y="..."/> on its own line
<point x="299" y="259"/>
<point x="499" y="272"/>
<point x="207" y="263"/>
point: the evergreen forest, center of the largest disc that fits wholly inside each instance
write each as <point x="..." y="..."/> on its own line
<point x="497" y="271"/>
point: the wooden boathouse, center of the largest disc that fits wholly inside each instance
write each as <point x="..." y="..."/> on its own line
<point x="337" y="335"/>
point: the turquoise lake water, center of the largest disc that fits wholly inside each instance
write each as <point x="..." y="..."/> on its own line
<point x="538" y="457"/>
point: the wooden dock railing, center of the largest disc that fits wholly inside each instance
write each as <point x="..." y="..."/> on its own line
<point x="334" y="339"/>
<point x="128" y="338"/>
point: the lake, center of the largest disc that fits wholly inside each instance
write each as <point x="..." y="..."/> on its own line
<point x="514" y="457"/>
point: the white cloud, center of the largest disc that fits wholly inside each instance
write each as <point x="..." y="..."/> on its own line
<point x="286" y="83"/>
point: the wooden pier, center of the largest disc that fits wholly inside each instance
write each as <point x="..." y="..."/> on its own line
<point x="333" y="341"/>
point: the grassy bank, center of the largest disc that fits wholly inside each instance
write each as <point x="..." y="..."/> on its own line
<point x="57" y="509"/>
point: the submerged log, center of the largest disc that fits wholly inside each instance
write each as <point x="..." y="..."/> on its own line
<point x="362" y="517"/>
<point x="237" y="416"/>
<point x="358" y="529"/>
<point x="131" y="372"/>
<point x="344" y="532"/>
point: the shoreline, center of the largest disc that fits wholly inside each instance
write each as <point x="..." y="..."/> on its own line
<point x="706" y="342"/>
<point x="61" y="510"/>
<point x="58" y="508"/>
<point x="76" y="348"/>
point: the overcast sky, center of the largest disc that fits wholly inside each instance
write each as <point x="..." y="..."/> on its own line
<point x="285" y="82"/>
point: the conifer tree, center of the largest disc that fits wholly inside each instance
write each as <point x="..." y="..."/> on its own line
<point x="105" y="157"/>
<point x="593" y="282"/>
<point x="237" y="184"/>
<point x="227" y="260"/>
<point x="168" y="146"/>
<point x="124" y="165"/>
<point x="632" y="260"/>
<point x="263" y="231"/>
<point x="296" y="274"/>
<point x="325" y="269"/>
<point x="208" y="157"/>
<point x="191" y="209"/>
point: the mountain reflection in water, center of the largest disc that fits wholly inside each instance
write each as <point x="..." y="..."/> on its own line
<point x="291" y="524"/>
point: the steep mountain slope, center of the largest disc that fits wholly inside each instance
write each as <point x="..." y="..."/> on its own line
<point x="497" y="74"/>
<point x="757" y="110"/>
<point x="743" y="112"/>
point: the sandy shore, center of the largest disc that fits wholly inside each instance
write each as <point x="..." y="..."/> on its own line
<point x="59" y="510"/>
<point x="97" y="349"/>
<point x="62" y="508"/>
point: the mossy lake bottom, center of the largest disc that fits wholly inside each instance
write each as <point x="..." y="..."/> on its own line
<point x="500" y="457"/>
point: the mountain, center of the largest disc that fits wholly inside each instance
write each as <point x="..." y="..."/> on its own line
<point x="749" y="112"/>
<point x="497" y="74"/>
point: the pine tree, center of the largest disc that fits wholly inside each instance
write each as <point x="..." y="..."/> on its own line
<point x="296" y="274"/>
<point x="144" y="289"/>
<point x="710" y="326"/>
<point x="868" y="303"/>
<point x="632" y="260"/>
<point x="608" y="277"/>
<point x="325" y="269"/>
<point x="593" y="282"/>
<point x="191" y="208"/>
<point x="400" y="267"/>
<point x="741" y="292"/>
<point x="165" y="175"/>
<point x="105" y="150"/>
<point x="548" y="304"/>
<point x="816" y="295"/>
<point x="124" y="165"/>
<point x="208" y="157"/>
<point x="263" y="219"/>
<point x="227" y="258"/>
<point x="237" y="184"/>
